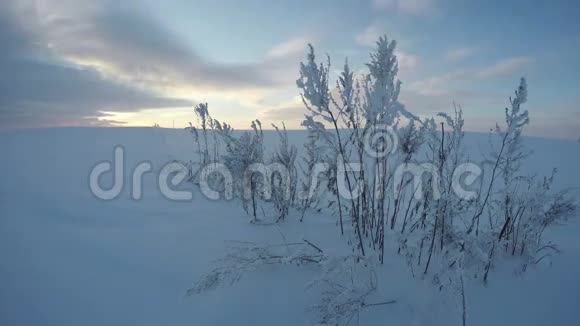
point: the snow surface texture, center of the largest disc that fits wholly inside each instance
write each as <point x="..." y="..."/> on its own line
<point x="68" y="258"/>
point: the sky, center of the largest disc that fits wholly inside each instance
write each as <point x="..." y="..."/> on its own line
<point x="139" y="63"/>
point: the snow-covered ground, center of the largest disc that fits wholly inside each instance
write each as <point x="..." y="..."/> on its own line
<point x="68" y="258"/>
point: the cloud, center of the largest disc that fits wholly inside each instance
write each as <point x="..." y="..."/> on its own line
<point x="437" y="85"/>
<point x="46" y="94"/>
<point x="411" y="7"/>
<point x="440" y="84"/>
<point x="68" y="62"/>
<point x="288" y="48"/>
<point x="502" y="68"/>
<point x="438" y="92"/>
<point x="460" y="54"/>
<point x="290" y="111"/>
<point x="369" y="37"/>
<point x="425" y="104"/>
<point x="407" y="62"/>
<point x="38" y="89"/>
<point x="291" y="115"/>
<point x="127" y="42"/>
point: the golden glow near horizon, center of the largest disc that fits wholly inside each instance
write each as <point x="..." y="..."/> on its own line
<point x="165" y="117"/>
<point x="226" y="107"/>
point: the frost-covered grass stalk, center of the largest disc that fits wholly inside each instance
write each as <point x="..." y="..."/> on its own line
<point x="446" y="236"/>
<point x="206" y="137"/>
<point x="317" y="99"/>
<point x="241" y="154"/>
<point x="284" y="185"/>
<point x="364" y="107"/>
<point x="310" y="185"/>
